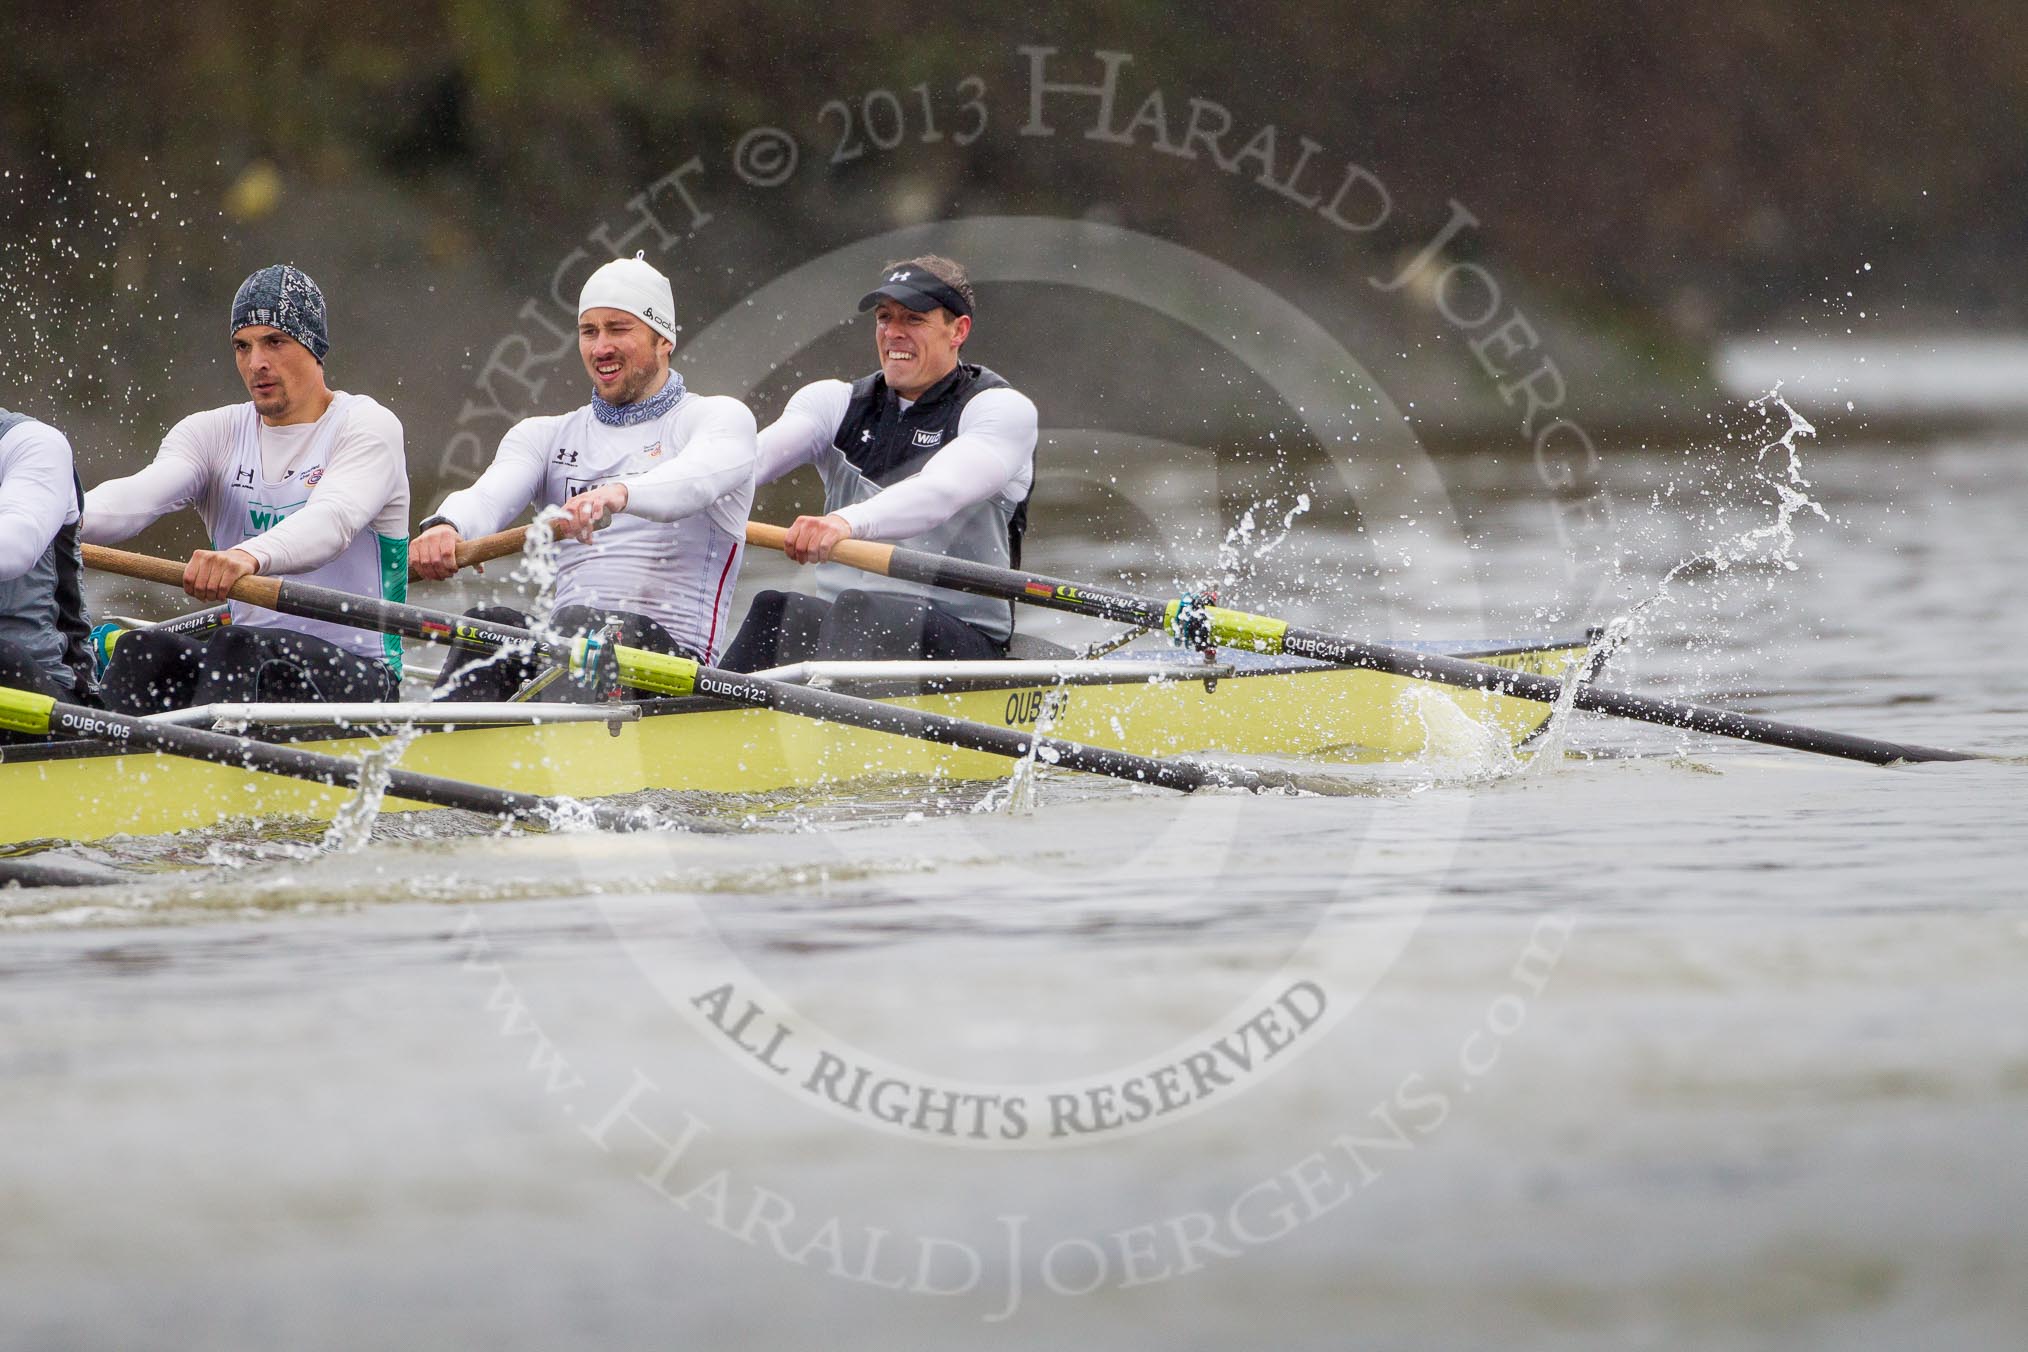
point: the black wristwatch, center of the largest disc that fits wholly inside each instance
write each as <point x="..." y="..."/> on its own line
<point x="429" y="522"/>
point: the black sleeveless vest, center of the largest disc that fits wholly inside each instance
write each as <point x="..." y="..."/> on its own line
<point x="45" y="607"/>
<point x="887" y="444"/>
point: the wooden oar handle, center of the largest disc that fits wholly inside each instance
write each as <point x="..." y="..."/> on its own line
<point x="761" y="535"/>
<point x="869" y="556"/>
<point x="142" y="566"/>
<point x="487" y="548"/>
<point x="256" y="591"/>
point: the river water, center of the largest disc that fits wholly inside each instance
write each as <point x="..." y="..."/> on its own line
<point x="1661" y="1041"/>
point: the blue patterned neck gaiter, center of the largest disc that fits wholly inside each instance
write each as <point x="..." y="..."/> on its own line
<point x="641" y="410"/>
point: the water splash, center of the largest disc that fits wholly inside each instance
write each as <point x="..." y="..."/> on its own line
<point x="537" y="567"/>
<point x="1453" y="753"/>
<point x="1770" y="547"/>
<point x="1773" y="543"/>
<point x="1247" y="545"/>
<point x="1544" y="754"/>
<point x="93" y="278"/>
<point x="569" y="816"/>
<point x="1023" y="786"/>
<point x="540" y="561"/>
<point x="351" y="828"/>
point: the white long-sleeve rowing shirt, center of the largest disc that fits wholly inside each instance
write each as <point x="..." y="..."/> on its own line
<point x="325" y="502"/>
<point x="37" y="496"/>
<point x="673" y="554"/>
<point x="41" y="601"/>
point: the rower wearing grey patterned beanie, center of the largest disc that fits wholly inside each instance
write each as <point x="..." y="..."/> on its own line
<point x="672" y="469"/>
<point x="301" y="480"/>
<point x="284" y="297"/>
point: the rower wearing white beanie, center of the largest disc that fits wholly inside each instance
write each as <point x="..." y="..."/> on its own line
<point x="672" y="468"/>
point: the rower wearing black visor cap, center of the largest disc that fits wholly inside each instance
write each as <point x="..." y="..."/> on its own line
<point x="929" y="451"/>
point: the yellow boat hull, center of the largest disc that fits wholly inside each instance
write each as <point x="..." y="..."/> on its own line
<point x="1306" y="712"/>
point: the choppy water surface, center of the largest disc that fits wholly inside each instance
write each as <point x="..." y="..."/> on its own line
<point x="1664" y="1042"/>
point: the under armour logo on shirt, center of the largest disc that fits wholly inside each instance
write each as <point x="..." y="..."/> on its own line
<point x="866" y="436"/>
<point x="243" y="475"/>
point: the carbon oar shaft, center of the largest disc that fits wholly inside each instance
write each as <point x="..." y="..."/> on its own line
<point x="196" y="622"/>
<point x="1264" y="634"/>
<point x="831" y="707"/>
<point x="32" y="871"/>
<point x="665" y="674"/>
<point x="1456" y="671"/>
<point x="39" y="715"/>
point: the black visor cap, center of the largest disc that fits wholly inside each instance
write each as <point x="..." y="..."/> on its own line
<point x="918" y="289"/>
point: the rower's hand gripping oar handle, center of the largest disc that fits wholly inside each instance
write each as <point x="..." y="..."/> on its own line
<point x="869" y="556"/>
<point x="252" y="589"/>
<point x="487" y="548"/>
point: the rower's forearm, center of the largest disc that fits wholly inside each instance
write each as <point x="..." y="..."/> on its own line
<point x="310" y="539"/>
<point x="122" y="508"/>
<point x="192" y="457"/>
<point x="926" y="500"/>
<point x="498" y="496"/>
<point x="354" y="493"/>
<point x="802" y="433"/>
<point x="701" y="477"/>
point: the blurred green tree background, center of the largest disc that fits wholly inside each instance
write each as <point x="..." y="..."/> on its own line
<point x="1654" y="174"/>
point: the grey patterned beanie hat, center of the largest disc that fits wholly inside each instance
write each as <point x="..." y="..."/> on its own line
<point x="283" y="297"/>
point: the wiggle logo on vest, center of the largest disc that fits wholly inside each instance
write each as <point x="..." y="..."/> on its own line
<point x="928" y="436"/>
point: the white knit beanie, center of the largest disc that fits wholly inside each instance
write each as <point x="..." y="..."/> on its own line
<point x="633" y="285"/>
